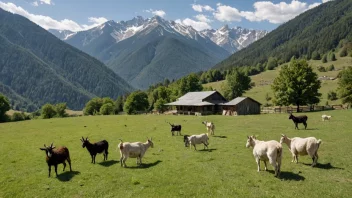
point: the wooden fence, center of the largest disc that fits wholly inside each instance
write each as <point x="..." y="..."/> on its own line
<point x="293" y="109"/>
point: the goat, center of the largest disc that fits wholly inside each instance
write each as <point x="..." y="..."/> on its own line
<point x="299" y="119"/>
<point x="325" y="117"/>
<point x="56" y="156"/>
<point x="266" y="151"/>
<point x="209" y="126"/>
<point x="185" y="140"/>
<point x="95" y="148"/>
<point x="197" y="139"/>
<point x="176" y="128"/>
<point x="133" y="150"/>
<point x="302" y="146"/>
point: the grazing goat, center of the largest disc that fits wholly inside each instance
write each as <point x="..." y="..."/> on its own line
<point x="185" y="140"/>
<point x="299" y="119"/>
<point x="176" y="128"/>
<point x="197" y="139"/>
<point x="133" y="150"/>
<point x="325" y="117"/>
<point x="266" y="151"/>
<point x="209" y="126"/>
<point x="302" y="146"/>
<point x="96" y="148"/>
<point x="56" y="156"/>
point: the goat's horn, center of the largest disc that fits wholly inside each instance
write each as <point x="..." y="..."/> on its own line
<point x="44" y="145"/>
<point x="51" y="145"/>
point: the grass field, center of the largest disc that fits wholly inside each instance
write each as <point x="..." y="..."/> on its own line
<point x="227" y="169"/>
<point x="263" y="80"/>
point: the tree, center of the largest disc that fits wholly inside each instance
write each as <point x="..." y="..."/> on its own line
<point x="343" y="52"/>
<point x="236" y="84"/>
<point x="296" y="84"/>
<point x="136" y="101"/>
<point x="48" y="111"/>
<point x="4" y="106"/>
<point x="324" y="59"/>
<point x="321" y="69"/>
<point x="272" y="63"/>
<point x="345" y="85"/>
<point x="315" y="55"/>
<point x="107" y="109"/>
<point x="118" y="105"/>
<point x="159" y="104"/>
<point x="332" y="95"/>
<point x="61" y="110"/>
<point x="332" y="56"/>
<point x="330" y="68"/>
<point x="93" y="106"/>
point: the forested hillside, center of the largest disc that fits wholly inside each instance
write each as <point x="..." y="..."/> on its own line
<point x="36" y="68"/>
<point x="316" y="31"/>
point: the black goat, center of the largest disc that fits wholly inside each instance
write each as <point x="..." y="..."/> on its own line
<point x="56" y="156"/>
<point x="299" y="119"/>
<point x="185" y="140"/>
<point x="176" y="128"/>
<point x="95" y="148"/>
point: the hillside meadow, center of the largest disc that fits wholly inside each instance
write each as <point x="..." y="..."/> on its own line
<point x="227" y="169"/>
<point x="263" y="80"/>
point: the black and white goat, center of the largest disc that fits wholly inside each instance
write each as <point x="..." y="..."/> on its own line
<point x="56" y="156"/>
<point x="176" y="128"/>
<point x="95" y="148"/>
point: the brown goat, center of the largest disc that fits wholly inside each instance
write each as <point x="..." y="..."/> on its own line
<point x="56" y="156"/>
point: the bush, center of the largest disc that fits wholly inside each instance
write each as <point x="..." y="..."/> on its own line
<point x="48" y="111"/>
<point x="61" y="110"/>
<point x="321" y="69"/>
<point x="330" y="68"/>
<point x="4" y="106"/>
<point x="107" y="109"/>
<point x="324" y="59"/>
<point x="34" y="114"/>
<point x="332" y="95"/>
<point x="18" y="117"/>
<point x="343" y="52"/>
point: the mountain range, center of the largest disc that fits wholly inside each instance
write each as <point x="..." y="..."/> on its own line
<point x="38" y="68"/>
<point x="148" y="51"/>
<point x="317" y="30"/>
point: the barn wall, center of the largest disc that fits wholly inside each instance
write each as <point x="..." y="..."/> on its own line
<point x="247" y="107"/>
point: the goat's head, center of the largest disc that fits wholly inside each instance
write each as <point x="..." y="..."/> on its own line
<point x="250" y="141"/>
<point x="205" y="122"/>
<point x="283" y="138"/>
<point x="291" y="116"/>
<point x="150" y="142"/>
<point x="84" y="142"/>
<point x="48" y="150"/>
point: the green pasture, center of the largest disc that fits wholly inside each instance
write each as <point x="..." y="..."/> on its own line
<point x="227" y="169"/>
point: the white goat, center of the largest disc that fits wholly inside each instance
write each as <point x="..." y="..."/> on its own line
<point x="210" y="127"/>
<point x="266" y="151"/>
<point x="325" y="117"/>
<point x="302" y="146"/>
<point x="198" y="139"/>
<point x="133" y="150"/>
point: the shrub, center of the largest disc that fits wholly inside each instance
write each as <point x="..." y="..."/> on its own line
<point x="321" y="69"/>
<point x="48" y="111"/>
<point x="107" y="109"/>
<point x="18" y="117"/>
<point x="330" y="68"/>
<point x="343" y="52"/>
<point x="332" y="95"/>
<point x="61" y="110"/>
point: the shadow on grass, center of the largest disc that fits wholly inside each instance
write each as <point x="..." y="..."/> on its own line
<point x="207" y="150"/>
<point x="219" y="136"/>
<point x="108" y="163"/>
<point x="288" y="175"/>
<point x="310" y="129"/>
<point x="67" y="176"/>
<point x="324" y="166"/>
<point x="291" y="176"/>
<point x="143" y="166"/>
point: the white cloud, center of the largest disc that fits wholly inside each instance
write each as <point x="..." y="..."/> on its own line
<point x="197" y="25"/>
<point x="160" y="13"/>
<point x="200" y="8"/>
<point x="226" y="13"/>
<point x="50" y="23"/>
<point x="277" y="13"/>
<point x="47" y="2"/>
<point x="324" y="1"/>
<point x="203" y="18"/>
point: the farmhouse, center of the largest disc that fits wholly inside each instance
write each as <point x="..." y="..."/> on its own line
<point x="199" y="103"/>
<point x="212" y="102"/>
<point x="241" y="106"/>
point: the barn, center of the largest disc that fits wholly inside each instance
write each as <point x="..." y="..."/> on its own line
<point x="241" y="106"/>
<point x="199" y="103"/>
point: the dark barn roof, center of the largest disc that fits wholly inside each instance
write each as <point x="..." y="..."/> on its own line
<point x="238" y="100"/>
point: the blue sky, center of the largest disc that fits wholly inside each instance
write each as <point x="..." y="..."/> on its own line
<point x="79" y="15"/>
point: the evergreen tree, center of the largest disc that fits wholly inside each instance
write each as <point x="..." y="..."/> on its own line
<point x="324" y="59"/>
<point x="345" y="85"/>
<point x="296" y="84"/>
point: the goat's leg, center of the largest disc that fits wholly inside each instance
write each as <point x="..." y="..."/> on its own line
<point x="305" y="125"/>
<point x="266" y="168"/>
<point x="56" y="169"/>
<point x="92" y="158"/>
<point x="121" y="159"/>
<point x="64" y="166"/>
<point x="49" y="170"/>
<point x="273" y="163"/>
<point x="315" y="159"/>
<point x="258" y="164"/>
<point x="124" y="161"/>
<point x="69" y="163"/>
